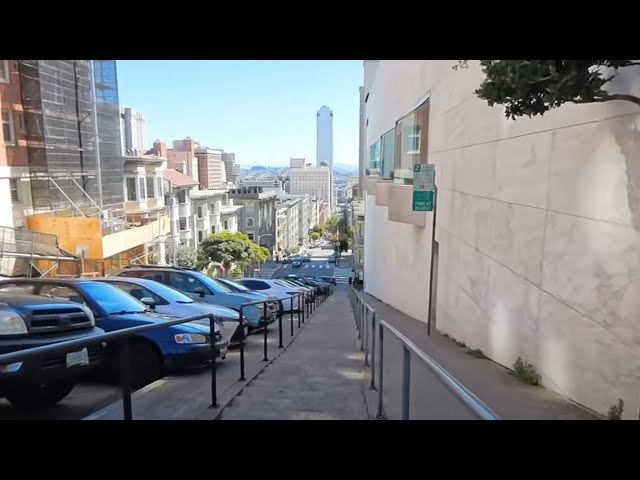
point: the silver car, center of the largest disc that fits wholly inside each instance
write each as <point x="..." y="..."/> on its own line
<point x="281" y="290"/>
<point x="167" y="300"/>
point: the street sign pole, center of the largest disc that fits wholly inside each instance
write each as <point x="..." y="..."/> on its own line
<point x="431" y="269"/>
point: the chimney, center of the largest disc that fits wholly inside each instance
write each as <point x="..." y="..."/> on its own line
<point x="160" y="148"/>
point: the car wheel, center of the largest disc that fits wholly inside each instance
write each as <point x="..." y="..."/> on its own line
<point x="40" y="396"/>
<point x="145" y="365"/>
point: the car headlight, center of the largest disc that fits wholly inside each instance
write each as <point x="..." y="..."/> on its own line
<point x="11" y="323"/>
<point x="190" y="338"/>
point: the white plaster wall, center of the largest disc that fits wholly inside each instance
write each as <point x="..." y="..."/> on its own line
<point x="538" y="225"/>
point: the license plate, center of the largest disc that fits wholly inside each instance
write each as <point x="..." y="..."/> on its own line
<point x="78" y="358"/>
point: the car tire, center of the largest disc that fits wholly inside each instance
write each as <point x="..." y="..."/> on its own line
<point x="40" y="396"/>
<point x="146" y="364"/>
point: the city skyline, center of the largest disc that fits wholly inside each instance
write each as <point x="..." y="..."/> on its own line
<point x="263" y="111"/>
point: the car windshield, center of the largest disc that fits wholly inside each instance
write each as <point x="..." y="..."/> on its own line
<point x="237" y="287"/>
<point x="213" y="283"/>
<point x="112" y="299"/>
<point x="168" y="293"/>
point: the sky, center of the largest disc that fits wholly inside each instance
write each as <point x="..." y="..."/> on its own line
<point x="264" y="111"/>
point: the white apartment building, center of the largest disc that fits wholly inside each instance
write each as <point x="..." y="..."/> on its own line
<point x="212" y="212"/>
<point x="315" y="181"/>
<point x="537" y="240"/>
<point x="133" y="132"/>
<point x="289" y="227"/>
<point x="182" y="223"/>
<point x="324" y="136"/>
<point x="305" y="212"/>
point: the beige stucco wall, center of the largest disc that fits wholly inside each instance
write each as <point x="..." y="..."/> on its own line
<point x="538" y="226"/>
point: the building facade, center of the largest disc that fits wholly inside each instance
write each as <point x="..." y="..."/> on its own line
<point x="182" y="157"/>
<point x="315" y="181"/>
<point x="213" y="212"/>
<point x="183" y="221"/>
<point x="324" y="136"/>
<point x="211" y="170"/>
<point x="537" y="240"/>
<point x="232" y="173"/>
<point x="133" y="132"/>
<point x="258" y="217"/>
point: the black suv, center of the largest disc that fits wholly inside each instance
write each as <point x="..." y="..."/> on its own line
<point x="28" y="321"/>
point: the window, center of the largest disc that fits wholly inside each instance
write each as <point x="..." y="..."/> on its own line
<point x="411" y="143"/>
<point x="226" y="224"/>
<point x="58" y="94"/>
<point x="374" y="156"/>
<point x="387" y="154"/>
<point x="249" y="222"/>
<point x="199" y="211"/>
<point x="200" y="236"/>
<point x="250" y="235"/>
<point x="183" y="223"/>
<point x="4" y="71"/>
<point x="14" y="190"/>
<point x="22" y="123"/>
<point x="213" y="229"/>
<point x="141" y="184"/>
<point x="131" y="189"/>
<point x="159" y="192"/>
<point x="7" y="128"/>
<point x="250" y="207"/>
<point x="139" y="292"/>
<point x="151" y="187"/>
<point x="182" y="196"/>
<point x="186" y="283"/>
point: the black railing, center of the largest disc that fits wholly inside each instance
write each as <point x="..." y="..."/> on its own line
<point x="365" y="319"/>
<point x="123" y="336"/>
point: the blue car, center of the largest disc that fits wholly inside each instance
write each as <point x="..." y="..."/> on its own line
<point x="201" y="287"/>
<point x="154" y="353"/>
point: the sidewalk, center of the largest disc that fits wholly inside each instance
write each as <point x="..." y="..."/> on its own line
<point x="319" y="377"/>
<point x="489" y="381"/>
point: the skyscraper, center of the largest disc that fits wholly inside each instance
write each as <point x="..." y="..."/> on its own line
<point x="324" y="132"/>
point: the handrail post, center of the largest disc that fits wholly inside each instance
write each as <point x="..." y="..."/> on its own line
<point x="291" y="313"/>
<point x="364" y="327"/>
<point x="265" y="359"/>
<point x="125" y="377"/>
<point x="372" y="386"/>
<point x="301" y="310"/>
<point x="380" y="414"/>
<point x="406" y="381"/>
<point x="360" y="322"/>
<point x="214" y="373"/>
<point x="242" y="344"/>
<point x="280" y="314"/>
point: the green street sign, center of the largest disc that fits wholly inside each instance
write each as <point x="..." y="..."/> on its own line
<point x="423" y="200"/>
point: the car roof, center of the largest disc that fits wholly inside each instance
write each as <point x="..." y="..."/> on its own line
<point x="70" y="281"/>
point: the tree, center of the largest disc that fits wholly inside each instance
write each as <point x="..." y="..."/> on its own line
<point x="186" y="257"/>
<point x="332" y="224"/>
<point x="315" y="236"/>
<point x="533" y="87"/>
<point x="318" y="229"/>
<point x="232" y="250"/>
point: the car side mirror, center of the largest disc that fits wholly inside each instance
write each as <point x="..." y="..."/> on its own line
<point x="199" y="291"/>
<point x="149" y="302"/>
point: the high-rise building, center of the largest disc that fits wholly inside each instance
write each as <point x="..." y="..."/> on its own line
<point x="316" y="181"/>
<point x="296" y="162"/>
<point x="133" y="132"/>
<point x="324" y="133"/>
<point x="229" y="160"/>
<point x="210" y="168"/>
<point x="182" y="157"/>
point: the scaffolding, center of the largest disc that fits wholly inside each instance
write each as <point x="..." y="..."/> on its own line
<point x="24" y="253"/>
<point x="72" y="121"/>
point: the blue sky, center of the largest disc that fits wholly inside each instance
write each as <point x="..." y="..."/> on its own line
<point x="262" y="110"/>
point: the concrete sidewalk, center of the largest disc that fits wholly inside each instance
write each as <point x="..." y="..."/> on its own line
<point x="319" y="377"/>
<point x="489" y="381"/>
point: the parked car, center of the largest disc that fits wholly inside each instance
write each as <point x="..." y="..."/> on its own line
<point x="201" y="287"/>
<point x="306" y="258"/>
<point x="235" y="286"/>
<point x="332" y="259"/>
<point x="296" y="261"/>
<point x="331" y="280"/>
<point x="284" y="293"/>
<point x="292" y="283"/>
<point x="28" y="321"/>
<point x="167" y="300"/>
<point x="153" y="353"/>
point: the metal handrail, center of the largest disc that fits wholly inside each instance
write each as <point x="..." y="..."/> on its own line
<point x="122" y="335"/>
<point x="472" y="402"/>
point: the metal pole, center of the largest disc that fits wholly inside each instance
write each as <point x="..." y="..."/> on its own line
<point x="125" y="377"/>
<point x="372" y="386"/>
<point x="366" y="341"/>
<point x="380" y="414"/>
<point x="360" y="323"/>
<point x="242" y="345"/>
<point x="291" y="313"/>
<point x="431" y="270"/>
<point x="95" y="132"/>
<point x="280" y="314"/>
<point x="265" y="358"/>
<point x="363" y="323"/>
<point x="406" y="381"/>
<point x="214" y="366"/>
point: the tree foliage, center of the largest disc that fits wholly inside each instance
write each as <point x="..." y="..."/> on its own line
<point x="533" y="87"/>
<point x="186" y="257"/>
<point x="332" y="224"/>
<point x="232" y="250"/>
<point x="315" y="236"/>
